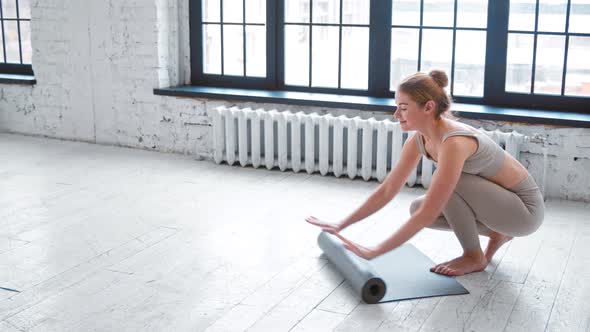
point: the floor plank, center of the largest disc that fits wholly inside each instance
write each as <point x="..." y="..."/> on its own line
<point x="257" y="304"/>
<point x="571" y="309"/>
<point x="366" y="317"/>
<point x="7" y="327"/>
<point x="493" y="311"/>
<point x="409" y="315"/>
<point x="536" y="298"/>
<point x="319" y="320"/>
<point x="297" y="305"/>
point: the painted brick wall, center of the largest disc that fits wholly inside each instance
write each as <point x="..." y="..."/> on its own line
<point x="97" y="63"/>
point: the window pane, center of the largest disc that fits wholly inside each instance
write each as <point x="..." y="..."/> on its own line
<point x="255" y="51"/>
<point x="580" y="16"/>
<point x="577" y="79"/>
<point x="437" y="50"/>
<point x="296" y="55"/>
<point x="519" y="63"/>
<point x="404" y="55"/>
<point x="24" y="9"/>
<point x="326" y="11"/>
<point x="2" y="49"/>
<point x="324" y="55"/>
<point x="212" y="48"/>
<point x="211" y="11"/>
<point x="522" y="15"/>
<point x="472" y="13"/>
<point x="470" y="54"/>
<point x="25" y="32"/>
<point x="552" y="15"/>
<point x="438" y="13"/>
<point x="549" y="64"/>
<point x="255" y="11"/>
<point x="356" y="11"/>
<point x="233" y="50"/>
<point x="233" y="11"/>
<point x="297" y="11"/>
<point x="9" y="9"/>
<point x="355" y="58"/>
<point x="405" y="12"/>
<point x="11" y="35"/>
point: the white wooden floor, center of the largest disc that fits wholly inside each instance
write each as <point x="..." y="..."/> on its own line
<point x="96" y="238"/>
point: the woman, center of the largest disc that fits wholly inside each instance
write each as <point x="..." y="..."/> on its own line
<point x="477" y="188"/>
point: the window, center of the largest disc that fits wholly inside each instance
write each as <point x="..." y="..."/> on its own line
<point x="548" y="50"/>
<point x="15" y="37"/>
<point x="235" y="43"/>
<point x="444" y="34"/>
<point x="522" y="53"/>
<point x="326" y="45"/>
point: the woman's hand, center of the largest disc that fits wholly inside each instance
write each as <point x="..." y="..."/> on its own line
<point x="357" y="249"/>
<point x="329" y="227"/>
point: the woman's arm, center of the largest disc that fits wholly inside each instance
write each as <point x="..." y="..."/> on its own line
<point x="410" y="156"/>
<point x="383" y="194"/>
<point x="452" y="156"/>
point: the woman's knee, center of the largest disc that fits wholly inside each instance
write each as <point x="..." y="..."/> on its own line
<point x="415" y="205"/>
<point x="524" y="226"/>
<point x="471" y="184"/>
<point x="439" y="223"/>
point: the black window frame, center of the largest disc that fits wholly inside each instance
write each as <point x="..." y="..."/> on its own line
<point x="198" y="77"/>
<point x="494" y="87"/>
<point x="7" y="67"/>
<point x="494" y="93"/>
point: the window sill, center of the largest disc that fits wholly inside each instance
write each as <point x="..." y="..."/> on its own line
<point x="17" y="79"/>
<point x="471" y="111"/>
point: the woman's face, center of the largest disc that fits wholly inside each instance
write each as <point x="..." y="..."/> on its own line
<point x="409" y="113"/>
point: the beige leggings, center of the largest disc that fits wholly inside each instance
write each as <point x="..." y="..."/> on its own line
<point x="479" y="206"/>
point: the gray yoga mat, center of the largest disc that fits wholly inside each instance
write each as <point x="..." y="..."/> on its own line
<point x="403" y="273"/>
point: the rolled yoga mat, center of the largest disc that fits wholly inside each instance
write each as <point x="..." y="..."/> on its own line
<point x="401" y="274"/>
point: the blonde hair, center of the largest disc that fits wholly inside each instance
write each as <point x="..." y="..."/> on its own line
<point x="422" y="87"/>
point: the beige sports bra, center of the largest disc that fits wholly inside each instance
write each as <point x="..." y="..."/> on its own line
<point x="486" y="161"/>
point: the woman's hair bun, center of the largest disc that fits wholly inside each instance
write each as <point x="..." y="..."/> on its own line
<point x="440" y="77"/>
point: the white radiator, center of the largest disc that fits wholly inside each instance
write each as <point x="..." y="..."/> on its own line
<point x="338" y="145"/>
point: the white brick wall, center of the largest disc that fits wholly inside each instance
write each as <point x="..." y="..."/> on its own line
<point x="97" y="63"/>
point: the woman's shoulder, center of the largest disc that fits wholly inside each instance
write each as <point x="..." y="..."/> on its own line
<point x="459" y="130"/>
<point x="459" y="126"/>
<point x="464" y="137"/>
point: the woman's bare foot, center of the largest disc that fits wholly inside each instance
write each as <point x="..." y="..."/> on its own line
<point x="459" y="266"/>
<point x="496" y="241"/>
